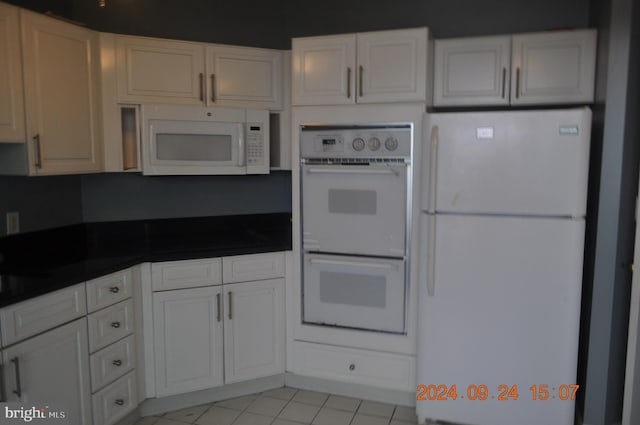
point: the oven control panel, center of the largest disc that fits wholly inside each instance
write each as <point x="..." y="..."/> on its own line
<point x="384" y="141"/>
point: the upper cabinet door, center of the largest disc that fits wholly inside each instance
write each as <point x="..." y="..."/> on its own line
<point x="392" y="66"/>
<point x="157" y="70"/>
<point x="472" y="71"/>
<point x="553" y="67"/>
<point x="324" y="70"/>
<point x="11" y="95"/>
<point x="241" y="76"/>
<point x="62" y="94"/>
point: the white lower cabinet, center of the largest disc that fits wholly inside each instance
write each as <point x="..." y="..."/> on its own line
<point x="115" y="401"/>
<point x="188" y="339"/>
<point x="207" y="336"/>
<point x="254" y="330"/>
<point x="378" y="369"/>
<point x="51" y="371"/>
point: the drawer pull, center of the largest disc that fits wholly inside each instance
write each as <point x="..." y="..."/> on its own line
<point x="117" y="362"/>
<point x="120" y="402"/>
<point x="115" y="325"/>
<point x="352" y="367"/>
<point x="114" y="289"/>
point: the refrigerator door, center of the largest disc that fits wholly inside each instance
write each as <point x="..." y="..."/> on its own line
<point x="502" y="312"/>
<point x="518" y="162"/>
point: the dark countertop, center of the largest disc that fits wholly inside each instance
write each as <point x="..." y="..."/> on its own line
<point x="36" y="263"/>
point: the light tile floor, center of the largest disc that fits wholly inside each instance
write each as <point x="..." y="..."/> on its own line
<point x="288" y="406"/>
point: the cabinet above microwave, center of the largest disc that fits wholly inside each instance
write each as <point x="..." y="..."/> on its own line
<point x="181" y="140"/>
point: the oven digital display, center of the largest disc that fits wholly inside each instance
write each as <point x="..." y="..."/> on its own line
<point x="329" y="142"/>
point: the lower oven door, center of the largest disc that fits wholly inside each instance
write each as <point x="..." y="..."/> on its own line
<point x="354" y="292"/>
<point x="355" y="209"/>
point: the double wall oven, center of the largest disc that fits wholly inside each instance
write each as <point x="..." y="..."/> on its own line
<point x="355" y="217"/>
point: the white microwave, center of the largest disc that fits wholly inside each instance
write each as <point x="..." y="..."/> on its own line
<point x="181" y="140"/>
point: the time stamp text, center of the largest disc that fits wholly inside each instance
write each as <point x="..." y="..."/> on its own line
<point x="472" y="392"/>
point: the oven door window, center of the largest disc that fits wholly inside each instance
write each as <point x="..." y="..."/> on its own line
<point x="355" y="209"/>
<point x="354" y="292"/>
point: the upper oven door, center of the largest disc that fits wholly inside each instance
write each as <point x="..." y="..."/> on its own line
<point x="194" y="147"/>
<point x="355" y="209"/>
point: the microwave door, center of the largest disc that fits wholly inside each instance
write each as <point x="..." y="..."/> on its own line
<point x="194" y="147"/>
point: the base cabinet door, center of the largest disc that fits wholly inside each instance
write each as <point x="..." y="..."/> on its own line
<point x="51" y="372"/>
<point x="62" y="94"/>
<point x="188" y="339"/>
<point x="254" y="329"/>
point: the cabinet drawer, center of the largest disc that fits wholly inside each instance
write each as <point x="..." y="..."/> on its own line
<point x="115" y="401"/>
<point x="353" y="365"/>
<point x="112" y="362"/>
<point x="31" y="317"/>
<point x="109" y="325"/>
<point x="110" y="289"/>
<point x="243" y="268"/>
<point x="186" y="274"/>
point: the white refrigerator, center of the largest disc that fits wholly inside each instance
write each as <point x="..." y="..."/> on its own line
<point x="502" y="222"/>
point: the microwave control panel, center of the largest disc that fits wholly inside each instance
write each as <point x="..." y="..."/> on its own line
<point x="255" y="143"/>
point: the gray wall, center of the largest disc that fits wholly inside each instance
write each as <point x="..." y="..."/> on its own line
<point x="42" y="202"/>
<point x="112" y="197"/>
<point x="611" y="230"/>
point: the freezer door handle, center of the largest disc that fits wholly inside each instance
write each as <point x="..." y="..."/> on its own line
<point x="433" y="167"/>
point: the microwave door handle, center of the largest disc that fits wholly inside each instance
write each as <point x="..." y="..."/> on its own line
<point x="241" y="147"/>
<point x="352" y="264"/>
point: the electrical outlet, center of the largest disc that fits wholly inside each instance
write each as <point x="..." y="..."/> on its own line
<point x="13" y="222"/>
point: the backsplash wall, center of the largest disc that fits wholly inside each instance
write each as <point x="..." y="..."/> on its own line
<point x="122" y="196"/>
<point x="43" y="202"/>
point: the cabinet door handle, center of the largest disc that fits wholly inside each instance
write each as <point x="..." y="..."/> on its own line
<point x="517" y="83"/>
<point x="213" y="87"/>
<point x="352" y="367"/>
<point x="38" y="152"/>
<point x="119" y="402"/>
<point x="16" y="369"/>
<point x="348" y="82"/>
<point x="117" y="362"/>
<point x="115" y="325"/>
<point x="201" y="76"/>
<point x="114" y="289"/>
<point x="361" y="73"/>
<point x="230" y="305"/>
<point x="219" y="314"/>
<point x="504" y="82"/>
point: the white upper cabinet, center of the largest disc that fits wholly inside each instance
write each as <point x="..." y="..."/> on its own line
<point x="392" y="66"/>
<point x="323" y="70"/>
<point x="153" y="70"/>
<point x="62" y="94"/>
<point x="241" y="76"/>
<point x="554" y="67"/>
<point x="472" y="71"/>
<point x="524" y="69"/>
<point x="376" y="67"/>
<point x="11" y="94"/>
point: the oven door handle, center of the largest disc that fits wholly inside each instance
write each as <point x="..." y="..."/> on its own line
<point x="364" y="170"/>
<point x="353" y="264"/>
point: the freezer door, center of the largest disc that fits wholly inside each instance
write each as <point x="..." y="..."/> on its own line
<point x="518" y="162"/>
<point x="503" y="313"/>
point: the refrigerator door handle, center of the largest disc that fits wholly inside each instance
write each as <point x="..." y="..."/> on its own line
<point x="431" y="255"/>
<point x="433" y="167"/>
